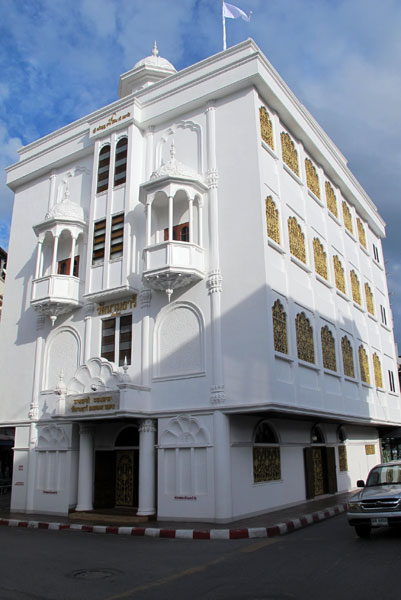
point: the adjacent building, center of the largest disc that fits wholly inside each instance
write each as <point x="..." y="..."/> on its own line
<point x="197" y="325"/>
<point x="3" y="264"/>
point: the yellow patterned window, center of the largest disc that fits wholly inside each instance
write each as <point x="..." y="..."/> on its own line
<point x="304" y="333"/>
<point x="266" y="127"/>
<point x="272" y="220"/>
<point x="361" y="233"/>
<point x="279" y="328"/>
<point x="297" y="240"/>
<point x="289" y="153"/>
<point x="339" y="274"/>
<point x="378" y="371"/>
<point x="348" y="357"/>
<point x="312" y="178"/>
<point x="342" y="458"/>
<point x="356" y="290"/>
<point x="331" y="199"/>
<point x="347" y="217"/>
<point x="364" y="364"/>
<point x="369" y="300"/>
<point x="320" y="259"/>
<point x="266" y="455"/>
<point x="328" y="349"/>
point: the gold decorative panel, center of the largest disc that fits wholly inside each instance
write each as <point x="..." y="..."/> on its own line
<point x="356" y="291"/>
<point x="125" y="478"/>
<point x="266" y="127"/>
<point x="312" y="178"/>
<point x="266" y="464"/>
<point x="342" y="458"/>
<point x="320" y="258"/>
<point x="318" y="473"/>
<point x="339" y="274"/>
<point x="279" y="328"/>
<point x="369" y="300"/>
<point x="347" y="217"/>
<point x="361" y="232"/>
<point x="272" y="220"/>
<point x="290" y="155"/>
<point x="328" y="349"/>
<point x="348" y="357"/>
<point x="364" y="364"/>
<point x="297" y="239"/>
<point x="304" y="333"/>
<point x="378" y="371"/>
<point x="370" y="449"/>
<point x="331" y="199"/>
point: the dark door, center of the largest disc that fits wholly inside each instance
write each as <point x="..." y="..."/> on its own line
<point x="105" y="477"/>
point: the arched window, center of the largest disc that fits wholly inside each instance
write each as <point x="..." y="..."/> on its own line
<point x="279" y="328"/>
<point x="312" y="178"/>
<point x="328" y="349"/>
<point x="348" y="357"/>
<point x="266" y="128"/>
<point x="356" y="292"/>
<point x="361" y="233"/>
<point x="364" y="364"/>
<point x="103" y="169"/>
<point x="120" y="170"/>
<point x="297" y="240"/>
<point x="272" y="220"/>
<point x="266" y="454"/>
<point x="347" y="217"/>
<point x="320" y="258"/>
<point x="304" y="333"/>
<point x="331" y="199"/>
<point x="339" y="274"/>
<point x="128" y="437"/>
<point x="289" y="153"/>
<point x="378" y="371"/>
<point x="369" y="300"/>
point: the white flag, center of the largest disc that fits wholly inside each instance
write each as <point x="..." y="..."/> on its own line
<point x="233" y="12"/>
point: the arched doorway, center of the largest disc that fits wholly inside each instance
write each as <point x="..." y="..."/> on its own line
<point x="320" y="466"/>
<point x="116" y="472"/>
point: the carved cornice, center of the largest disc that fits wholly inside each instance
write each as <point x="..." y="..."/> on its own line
<point x="214" y="281"/>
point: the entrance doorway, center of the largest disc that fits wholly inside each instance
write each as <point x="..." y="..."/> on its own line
<point x="320" y="467"/>
<point x="116" y="472"/>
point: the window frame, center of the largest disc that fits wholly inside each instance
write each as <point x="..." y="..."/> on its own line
<point x="118" y="341"/>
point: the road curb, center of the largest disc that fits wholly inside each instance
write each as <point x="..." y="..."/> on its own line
<point x="187" y="534"/>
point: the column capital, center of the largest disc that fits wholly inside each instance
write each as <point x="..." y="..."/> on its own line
<point x="147" y="426"/>
<point x="214" y="281"/>
<point x="89" y="309"/>
<point x="85" y="428"/>
<point x="217" y="395"/>
<point x="212" y="178"/>
<point x="145" y="298"/>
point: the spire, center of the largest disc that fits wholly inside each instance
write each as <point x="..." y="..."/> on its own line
<point x="155" y="51"/>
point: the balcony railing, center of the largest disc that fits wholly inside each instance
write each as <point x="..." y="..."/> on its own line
<point x="55" y="294"/>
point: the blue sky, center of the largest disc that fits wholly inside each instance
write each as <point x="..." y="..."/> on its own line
<point x="61" y="60"/>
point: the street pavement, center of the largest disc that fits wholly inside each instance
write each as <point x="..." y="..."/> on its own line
<point x="270" y="524"/>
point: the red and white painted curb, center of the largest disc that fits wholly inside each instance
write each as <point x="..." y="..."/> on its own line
<point x="187" y="534"/>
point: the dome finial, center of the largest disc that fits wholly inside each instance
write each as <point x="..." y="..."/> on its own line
<point x="155" y="50"/>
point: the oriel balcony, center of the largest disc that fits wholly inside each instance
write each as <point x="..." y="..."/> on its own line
<point x="54" y="295"/>
<point x="174" y="256"/>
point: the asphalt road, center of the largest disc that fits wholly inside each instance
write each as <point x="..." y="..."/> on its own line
<point x="325" y="561"/>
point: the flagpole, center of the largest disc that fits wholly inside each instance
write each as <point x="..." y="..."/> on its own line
<point x="224" y="26"/>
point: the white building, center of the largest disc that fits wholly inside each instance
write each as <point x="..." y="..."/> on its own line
<point x="197" y="324"/>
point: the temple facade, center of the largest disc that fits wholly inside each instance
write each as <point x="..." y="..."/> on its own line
<point x="197" y="325"/>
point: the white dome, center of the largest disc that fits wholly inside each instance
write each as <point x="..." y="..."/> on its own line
<point x="66" y="210"/>
<point x="174" y="168"/>
<point x="156" y="61"/>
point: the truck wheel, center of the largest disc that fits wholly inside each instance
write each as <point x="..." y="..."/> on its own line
<point x="363" y="531"/>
